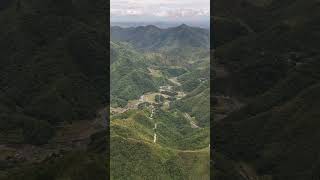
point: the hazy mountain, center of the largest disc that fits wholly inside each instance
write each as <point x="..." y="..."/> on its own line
<point x="164" y="24"/>
<point x="152" y="38"/>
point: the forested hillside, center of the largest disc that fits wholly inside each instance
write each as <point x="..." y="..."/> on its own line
<point x="271" y="65"/>
<point x="53" y="80"/>
<point x="159" y="103"/>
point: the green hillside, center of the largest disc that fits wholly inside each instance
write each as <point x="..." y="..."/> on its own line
<point x="274" y="71"/>
<point x="178" y="146"/>
<point x="53" y="75"/>
<point x="153" y="135"/>
<point x="130" y="78"/>
<point x="45" y="73"/>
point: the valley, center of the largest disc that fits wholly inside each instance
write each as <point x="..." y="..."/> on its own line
<point x="157" y="132"/>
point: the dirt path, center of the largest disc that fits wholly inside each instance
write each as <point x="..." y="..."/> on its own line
<point x="206" y="149"/>
<point x="175" y="81"/>
<point x="155" y="138"/>
<point x="190" y="119"/>
<point x="155" y="126"/>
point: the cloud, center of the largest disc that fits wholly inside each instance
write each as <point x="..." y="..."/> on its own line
<point x="182" y="12"/>
<point x="160" y="8"/>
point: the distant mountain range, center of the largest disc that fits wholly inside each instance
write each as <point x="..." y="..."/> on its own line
<point x="201" y="24"/>
<point x="153" y="38"/>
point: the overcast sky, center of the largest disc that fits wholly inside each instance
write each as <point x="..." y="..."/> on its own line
<point x="160" y="10"/>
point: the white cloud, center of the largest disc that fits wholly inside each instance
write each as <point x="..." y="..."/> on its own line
<point x="160" y="8"/>
<point x="134" y="12"/>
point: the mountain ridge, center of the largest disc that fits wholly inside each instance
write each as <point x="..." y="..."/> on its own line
<point x="152" y="38"/>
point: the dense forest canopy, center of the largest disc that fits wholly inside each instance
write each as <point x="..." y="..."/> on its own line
<point x="267" y="57"/>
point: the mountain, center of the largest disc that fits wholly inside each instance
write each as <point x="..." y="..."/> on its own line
<point x="159" y="104"/>
<point x="152" y="38"/>
<point x="274" y="70"/>
<point x="130" y="76"/>
<point x="53" y="76"/>
<point x="196" y="83"/>
<point x="160" y="24"/>
<point x="46" y="73"/>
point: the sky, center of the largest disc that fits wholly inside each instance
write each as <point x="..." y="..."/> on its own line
<point x="159" y="10"/>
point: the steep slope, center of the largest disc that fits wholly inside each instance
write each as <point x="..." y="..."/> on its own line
<point x="48" y="71"/>
<point x="53" y="72"/>
<point x="197" y="100"/>
<point x="275" y="71"/>
<point x="130" y="76"/>
<point x="197" y="103"/>
<point x="235" y="18"/>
